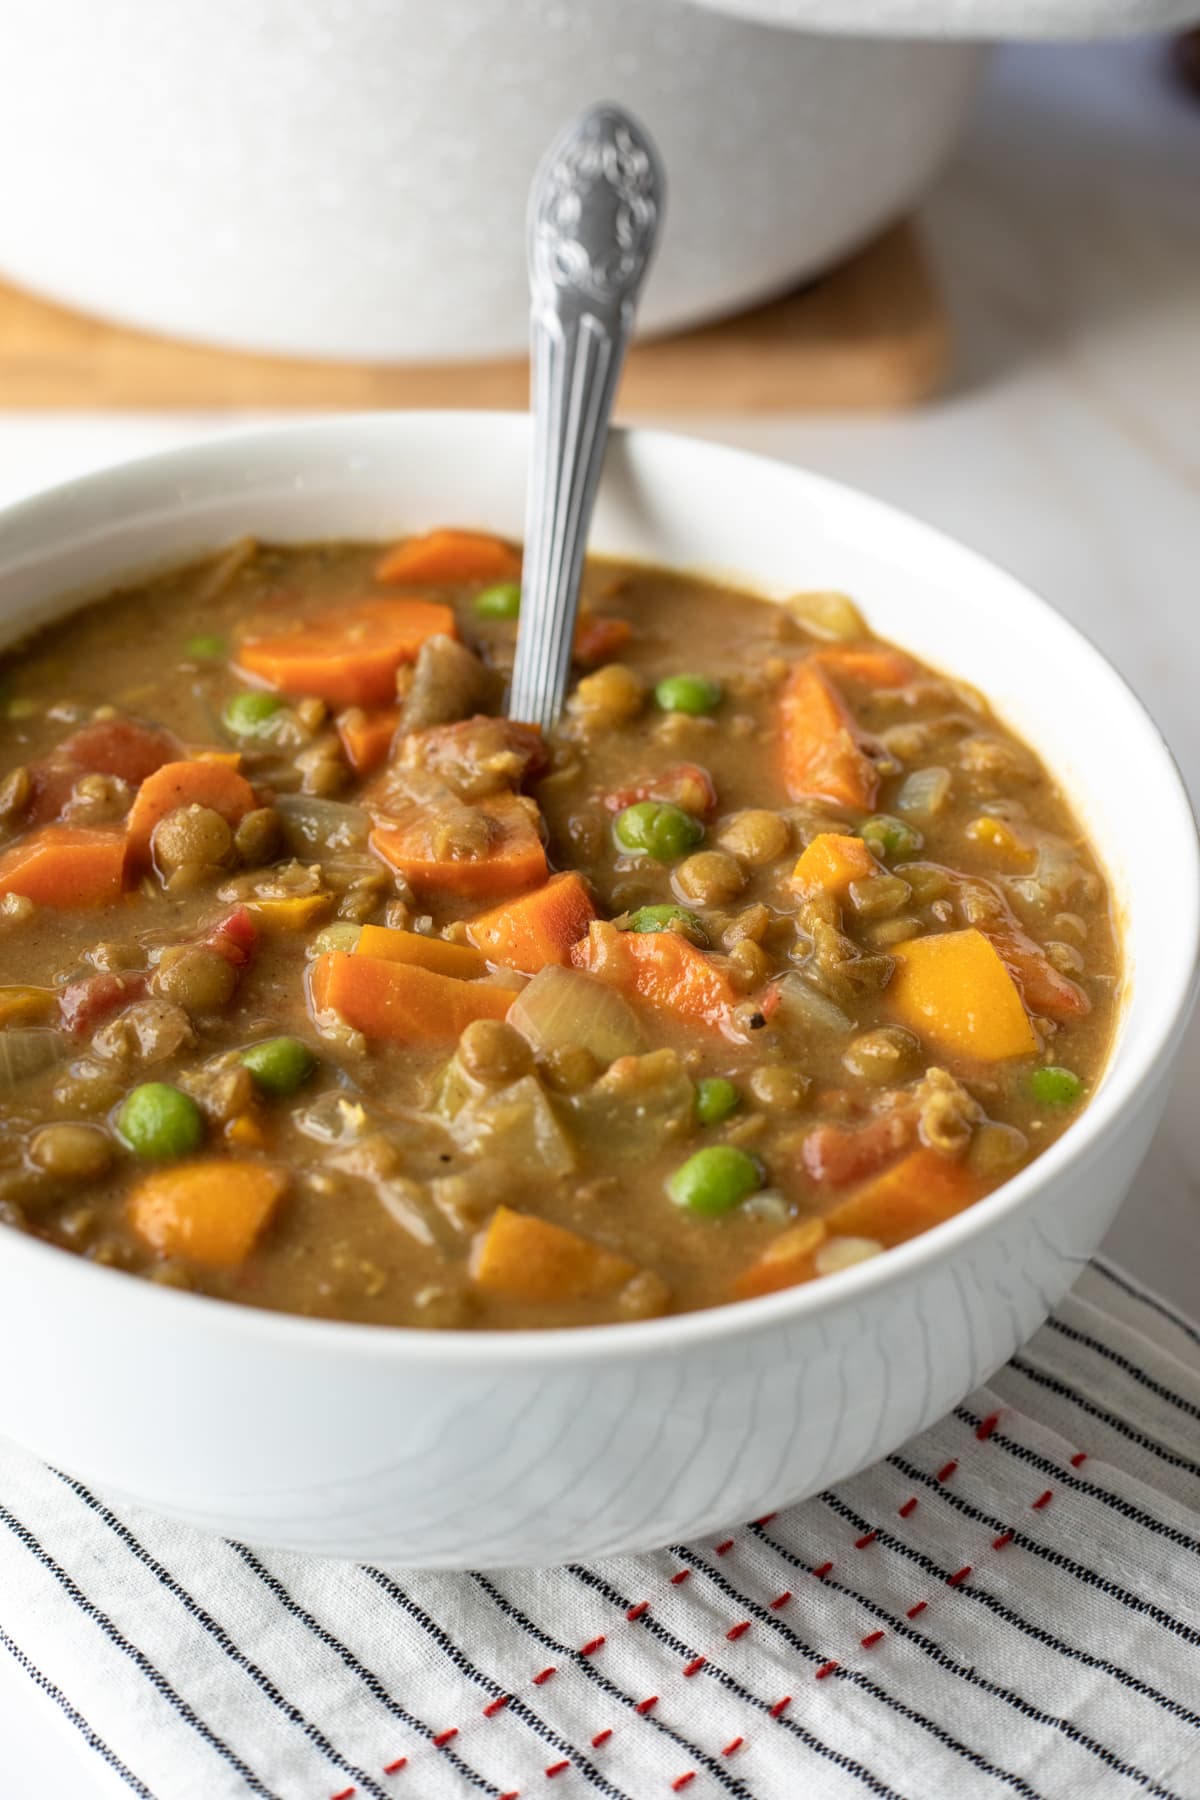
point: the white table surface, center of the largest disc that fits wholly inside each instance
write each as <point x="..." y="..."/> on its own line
<point x="1067" y="238"/>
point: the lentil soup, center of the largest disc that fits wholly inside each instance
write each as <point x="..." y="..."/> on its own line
<point x="325" y="988"/>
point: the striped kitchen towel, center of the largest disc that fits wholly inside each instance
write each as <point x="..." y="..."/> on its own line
<point x="1009" y="1605"/>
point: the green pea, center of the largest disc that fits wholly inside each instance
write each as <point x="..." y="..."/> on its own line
<point x="716" y="1098"/>
<point x="688" y="694"/>
<point x="248" y="714"/>
<point x="206" y="649"/>
<point x="1055" y="1087"/>
<point x="658" y="829"/>
<point x="280" y="1065"/>
<point x="890" y="837"/>
<point x="500" y="602"/>
<point x="715" y="1180"/>
<point x="159" y="1122"/>
<point x="668" y="918"/>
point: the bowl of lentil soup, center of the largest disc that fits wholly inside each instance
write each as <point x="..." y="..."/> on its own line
<point x="474" y="1148"/>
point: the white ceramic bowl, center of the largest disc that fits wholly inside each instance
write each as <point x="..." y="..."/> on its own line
<point x="453" y="1449"/>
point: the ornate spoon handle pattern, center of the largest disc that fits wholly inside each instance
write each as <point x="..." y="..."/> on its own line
<point x="594" y="212"/>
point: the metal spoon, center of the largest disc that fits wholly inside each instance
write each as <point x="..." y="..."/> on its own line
<point x="594" y="210"/>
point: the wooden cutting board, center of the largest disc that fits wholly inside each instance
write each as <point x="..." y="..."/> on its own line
<point x="870" y="334"/>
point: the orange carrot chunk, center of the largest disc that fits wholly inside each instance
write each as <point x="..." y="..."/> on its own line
<point x="447" y="555"/>
<point x="873" y="666"/>
<point x="198" y="783"/>
<point x="823" y="757"/>
<point x="400" y="1002"/>
<point x="954" y="991"/>
<point x="212" y="1211"/>
<point x="367" y="736"/>
<point x="523" y="1258"/>
<point x="786" y="1261"/>
<point x="922" y="1189"/>
<point x="425" y="952"/>
<point x="830" y="863"/>
<point x="512" y="859"/>
<point x="540" y="928"/>
<point x="65" y="866"/>
<point x="348" y="657"/>
<point x="660" y="967"/>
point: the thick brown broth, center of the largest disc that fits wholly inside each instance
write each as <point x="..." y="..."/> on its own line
<point x="379" y="1173"/>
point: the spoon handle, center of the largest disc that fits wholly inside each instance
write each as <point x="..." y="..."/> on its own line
<point x="594" y="210"/>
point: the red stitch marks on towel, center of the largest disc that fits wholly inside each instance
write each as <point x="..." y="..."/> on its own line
<point x="558" y="1768"/>
<point x="826" y="1669"/>
<point x="985" y="1427"/>
<point x="822" y="1570"/>
<point x="738" y="1630"/>
<point x="648" y="1704"/>
<point x="682" y="1781"/>
<point x="636" y="1612"/>
<point x="959" y="1576"/>
<point x="592" y="1645"/>
<point x="695" y="1666"/>
<point x="496" y="1705"/>
<point x="766" y="1519"/>
<point x="909" y="1507"/>
<point x="781" y="1706"/>
<point x="1043" y="1500"/>
<point x="544" y="1675"/>
<point x="394" y="1768"/>
<point x="868" y="1537"/>
<point x="872" y="1638"/>
<point x="914" y="1612"/>
<point x="512" y="1794"/>
<point x="725" y="1545"/>
<point x="679" y="1575"/>
<point x="734" y="1744"/>
<point x="344" y="1794"/>
<point x="444" y="1737"/>
<point x="947" y="1470"/>
<point x="601" y="1737"/>
<point x="781" y="1599"/>
<point x="1079" y="1458"/>
<point x="1003" y="1541"/>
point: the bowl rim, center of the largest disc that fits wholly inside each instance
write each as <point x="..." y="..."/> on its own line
<point x="1079" y="1148"/>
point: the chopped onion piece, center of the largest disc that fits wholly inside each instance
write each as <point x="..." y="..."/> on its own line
<point x="25" y="1052"/>
<point x="313" y="826"/>
<point x="806" y="1008"/>
<point x="566" y="1009"/>
<point x="924" y="792"/>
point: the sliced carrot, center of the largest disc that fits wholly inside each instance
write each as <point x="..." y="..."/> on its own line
<point x="514" y="860"/>
<point x="448" y="555"/>
<point x="64" y="866"/>
<point x="540" y="928"/>
<point x="348" y="657"/>
<point x="598" y="640"/>
<point x="783" y="1263"/>
<point x="953" y="989"/>
<point x="178" y="784"/>
<point x="278" y="912"/>
<point x="523" y="1258"/>
<point x="213" y="1211"/>
<point x="367" y="736"/>
<point x="400" y="1002"/>
<point x="831" y="862"/>
<point x="921" y="1190"/>
<point x="424" y="952"/>
<point x="874" y="666"/>
<point x="823" y="756"/>
<point x="660" y="967"/>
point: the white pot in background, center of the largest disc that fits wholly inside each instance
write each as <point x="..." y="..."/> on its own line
<point x="312" y="176"/>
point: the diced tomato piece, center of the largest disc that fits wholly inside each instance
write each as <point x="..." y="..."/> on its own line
<point x="83" y="1003"/>
<point x="835" y="1157"/>
<point x="121" y="747"/>
<point x="684" y="784"/>
<point x="235" y="938"/>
